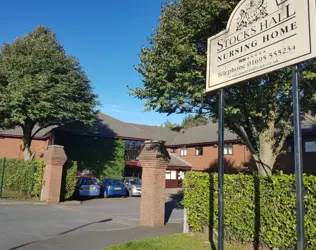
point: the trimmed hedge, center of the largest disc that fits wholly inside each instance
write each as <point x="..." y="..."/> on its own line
<point x="257" y="210"/>
<point x="69" y="180"/>
<point x="38" y="178"/>
<point x="24" y="177"/>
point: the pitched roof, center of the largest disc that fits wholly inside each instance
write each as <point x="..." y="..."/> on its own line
<point x="200" y="134"/>
<point x="108" y="126"/>
<point x="309" y="124"/>
<point x="157" y="132"/>
<point x="176" y="161"/>
<point x="18" y="132"/>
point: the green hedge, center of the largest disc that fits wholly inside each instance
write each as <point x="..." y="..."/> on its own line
<point x="23" y="177"/>
<point x="69" y="180"/>
<point x="38" y="178"/>
<point x="257" y="210"/>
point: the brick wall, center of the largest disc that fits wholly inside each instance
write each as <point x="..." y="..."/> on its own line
<point x="154" y="158"/>
<point x="11" y="147"/>
<point x="153" y="197"/>
<point x="285" y="162"/>
<point x="240" y="156"/>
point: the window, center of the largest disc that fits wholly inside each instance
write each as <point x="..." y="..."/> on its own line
<point x="184" y="151"/>
<point x="228" y="149"/>
<point x="173" y="150"/>
<point x="310" y="146"/>
<point x="199" y="151"/>
<point x="136" y="181"/>
<point x="171" y="174"/>
<point x="89" y="182"/>
<point x="115" y="182"/>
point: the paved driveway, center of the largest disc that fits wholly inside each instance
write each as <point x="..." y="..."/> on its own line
<point x="37" y="226"/>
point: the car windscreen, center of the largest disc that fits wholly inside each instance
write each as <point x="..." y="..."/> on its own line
<point x="136" y="181"/>
<point x="115" y="182"/>
<point x="89" y="182"/>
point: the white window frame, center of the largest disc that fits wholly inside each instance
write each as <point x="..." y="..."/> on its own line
<point x="168" y="175"/>
<point x="184" y="151"/>
<point x="197" y="152"/>
<point x="228" y="149"/>
<point x="171" y="174"/>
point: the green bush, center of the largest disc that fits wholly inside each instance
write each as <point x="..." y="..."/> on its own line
<point x="115" y="167"/>
<point x="257" y="210"/>
<point x="24" y="177"/>
<point x="38" y="178"/>
<point x="69" y="180"/>
<point x="104" y="157"/>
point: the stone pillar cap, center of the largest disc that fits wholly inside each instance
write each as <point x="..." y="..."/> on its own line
<point x="154" y="151"/>
<point x="55" y="155"/>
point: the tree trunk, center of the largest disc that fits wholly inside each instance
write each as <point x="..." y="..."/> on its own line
<point x="27" y="140"/>
<point x="27" y="151"/>
<point x="265" y="159"/>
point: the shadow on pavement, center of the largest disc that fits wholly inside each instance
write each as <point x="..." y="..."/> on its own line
<point x="23" y="245"/>
<point x="63" y="233"/>
<point x="174" y="202"/>
<point x="85" y="225"/>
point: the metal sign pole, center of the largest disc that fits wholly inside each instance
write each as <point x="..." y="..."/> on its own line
<point x="2" y="176"/>
<point x="298" y="160"/>
<point x="220" y="171"/>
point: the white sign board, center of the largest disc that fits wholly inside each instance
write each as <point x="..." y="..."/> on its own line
<point x="261" y="36"/>
<point x="310" y="146"/>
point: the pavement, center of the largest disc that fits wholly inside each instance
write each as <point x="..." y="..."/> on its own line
<point x="94" y="224"/>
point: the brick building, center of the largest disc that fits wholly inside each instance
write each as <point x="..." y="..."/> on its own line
<point x="193" y="149"/>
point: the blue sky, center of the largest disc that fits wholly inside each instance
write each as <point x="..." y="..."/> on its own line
<point x="106" y="37"/>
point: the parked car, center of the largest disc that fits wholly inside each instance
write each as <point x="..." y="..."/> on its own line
<point x="113" y="187"/>
<point x="87" y="186"/>
<point x="133" y="186"/>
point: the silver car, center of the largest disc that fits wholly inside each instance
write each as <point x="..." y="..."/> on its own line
<point x="133" y="186"/>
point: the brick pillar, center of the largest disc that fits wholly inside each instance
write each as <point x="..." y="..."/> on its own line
<point x="55" y="159"/>
<point x="154" y="160"/>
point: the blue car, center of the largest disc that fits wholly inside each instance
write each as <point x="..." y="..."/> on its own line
<point x="113" y="187"/>
<point x="87" y="186"/>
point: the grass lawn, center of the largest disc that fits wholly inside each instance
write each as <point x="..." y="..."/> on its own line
<point x="172" y="242"/>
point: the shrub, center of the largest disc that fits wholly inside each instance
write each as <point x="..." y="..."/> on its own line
<point x="115" y="167"/>
<point x="105" y="157"/>
<point x="24" y="177"/>
<point x="68" y="180"/>
<point x="257" y="210"/>
<point x="38" y="178"/>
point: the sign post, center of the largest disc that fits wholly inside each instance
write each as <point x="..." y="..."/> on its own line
<point x="298" y="160"/>
<point x="2" y="176"/>
<point x="221" y="171"/>
<point x="262" y="36"/>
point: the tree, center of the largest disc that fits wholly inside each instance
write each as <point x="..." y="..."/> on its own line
<point x="115" y="167"/>
<point x="42" y="86"/>
<point x="190" y="121"/>
<point x="173" y="70"/>
<point x="171" y="125"/>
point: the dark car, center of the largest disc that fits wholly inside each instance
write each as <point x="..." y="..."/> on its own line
<point x="87" y="186"/>
<point x="113" y="187"/>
